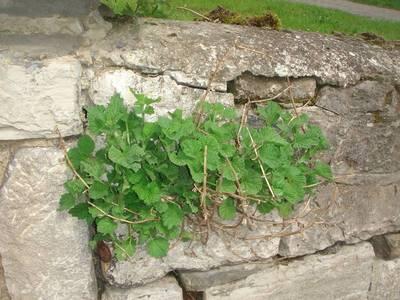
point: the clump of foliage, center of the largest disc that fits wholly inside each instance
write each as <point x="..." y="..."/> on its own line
<point x="151" y="175"/>
<point x="222" y="15"/>
<point x="133" y="8"/>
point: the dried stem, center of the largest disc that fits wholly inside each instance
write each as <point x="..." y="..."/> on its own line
<point x="195" y="13"/>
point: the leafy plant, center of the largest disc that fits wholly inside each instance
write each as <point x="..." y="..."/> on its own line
<point x="149" y="177"/>
<point x="137" y="7"/>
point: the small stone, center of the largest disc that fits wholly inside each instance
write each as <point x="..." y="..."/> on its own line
<point x="166" y="288"/>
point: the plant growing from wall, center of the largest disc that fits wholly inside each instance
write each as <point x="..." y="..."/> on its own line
<point x="150" y="176"/>
<point x="136" y="7"/>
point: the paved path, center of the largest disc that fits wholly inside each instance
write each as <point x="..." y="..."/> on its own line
<point x="357" y="8"/>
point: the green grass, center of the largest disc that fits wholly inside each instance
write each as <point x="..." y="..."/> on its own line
<point x="382" y="3"/>
<point x="293" y="16"/>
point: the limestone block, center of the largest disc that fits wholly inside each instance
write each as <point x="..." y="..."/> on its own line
<point x="343" y="275"/>
<point x="385" y="280"/>
<point x="45" y="253"/>
<point x="3" y="288"/>
<point x="173" y="96"/>
<point x="37" y="97"/>
<point x="166" y="288"/>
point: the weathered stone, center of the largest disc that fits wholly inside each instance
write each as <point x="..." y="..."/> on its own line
<point x="230" y="246"/>
<point x="163" y="289"/>
<point x="3" y="288"/>
<point x="96" y="27"/>
<point x="5" y="153"/>
<point x="343" y="275"/>
<point x="345" y="213"/>
<point x="200" y="281"/>
<point x="385" y="280"/>
<point x="45" y="252"/>
<point x="387" y="246"/>
<point x="194" y="48"/>
<point x="173" y="96"/>
<point x="47" y="25"/>
<point x="40" y="8"/>
<point x="37" y="97"/>
<point x="250" y="87"/>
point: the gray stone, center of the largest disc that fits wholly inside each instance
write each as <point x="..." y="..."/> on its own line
<point x="3" y="288"/>
<point x="45" y="252"/>
<point x="250" y="87"/>
<point x="166" y="288"/>
<point x="46" y="25"/>
<point x="347" y="213"/>
<point x="193" y="48"/>
<point x="37" y="97"/>
<point x="5" y="153"/>
<point x="387" y="246"/>
<point x="40" y="8"/>
<point x="343" y="275"/>
<point x="200" y="281"/>
<point x="231" y="246"/>
<point x="96" y="27"/>
<point x="385" y="280"/>
<point x="393" y="241"/>
<point x="173" y="96"/>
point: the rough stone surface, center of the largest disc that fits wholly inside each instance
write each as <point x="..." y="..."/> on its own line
<point x="40" y="8"/>
<point x="365" y="155"/>
<point x="200" y="281"/>
<point x="3" y="288"/>
<point x="172" y="95"/>
<point x="190" y="51"/>
<point x="5" y="153"/>
<point x="221" y="249"/>
<point x="47" y="25"/>
<point x="385" y="280"/>
<point x="37" y="97"/>
<point x="163" y="289"/>
<point x="45" y="254"/>
<point x="250" y="87"/>
<point x="387" y="246"/>
<point x="342" y="275"/>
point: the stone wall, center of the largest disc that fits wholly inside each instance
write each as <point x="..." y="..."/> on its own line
<point x="49" y="73"/>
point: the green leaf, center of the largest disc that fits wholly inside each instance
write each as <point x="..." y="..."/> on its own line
<point x="98" y="190"/>
<point x="115" y="111"/>
<point x="158" y="247"/>
<point x="67" y="201"/>
<point x="106" y="226"/>
<point x="81" y="212"/>
<point x="124" y="249"/>
<point x="323" y="170"/>
<point x="85" y="145"/>
<point x="96" y="119"/>
<point x="227" y="209"/>
<point x="265" y="207"/>
<point x="129" y="159"/>
<point x="270" y="155"/>
<point x="227" y="186"/>
<point x="172" y="217"/>
<point x="271" y="136"/>
<point x="251" y="184"/>
<point x="75" y="157"/>
<point x="270" y="113"/>
<point x="149" y="193"/>
<point x="74" y="186"/>
<point x="285" y="209"/>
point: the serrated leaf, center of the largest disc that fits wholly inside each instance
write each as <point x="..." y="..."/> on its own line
<point x="129" y="159"/>
<point x="270" y="155"/>
<point x="67" y="201"/>
<point x="269" y="135"/>
<point x="106" y="226"/>
<point x="270" y="113"/>
<point x="93" y="168"/>
<point x="115" y="111"/>
<point x="74" y="186"/>
<point x="158" y="247"/>
<point x="173" y="216"/>
<point x="149" y="193"/>
<point x="227" y="186"/>
<point x="323" y="170"/>
<point x="265" y="207"/>
<point x="75" y="157"/>
<point x="227" y="209"/>
<point x="251" y="184"/>
<point x="85" y="145"/>
<point x="124" y="249"/>
<point x="96" y="119"/>
<point x="98" y="190"/>
<point x="81" y="212"/>
<point x="285" y="209"/>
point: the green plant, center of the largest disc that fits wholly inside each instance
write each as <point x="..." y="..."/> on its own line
<point x="151" y="176"/>
<point x="137" y="7"/>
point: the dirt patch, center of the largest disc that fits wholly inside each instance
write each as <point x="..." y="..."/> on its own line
<point x="225" y="16"/>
